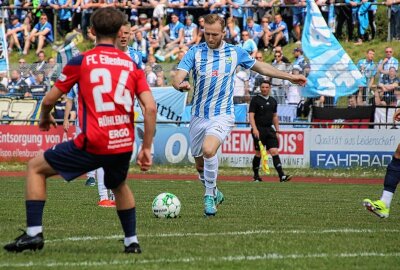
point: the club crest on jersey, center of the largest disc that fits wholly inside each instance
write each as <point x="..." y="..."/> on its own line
<point x="62" y="77"/>
<point x="228" y="60"/>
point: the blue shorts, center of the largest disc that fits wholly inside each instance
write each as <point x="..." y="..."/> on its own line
<point x="298" y="19"/>
<point x="71" y="162"/>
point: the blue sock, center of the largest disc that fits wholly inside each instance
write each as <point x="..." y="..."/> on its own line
<point x="34" y="213"/>
<point x="392" y="176"/>
<point x="128" y="221"/>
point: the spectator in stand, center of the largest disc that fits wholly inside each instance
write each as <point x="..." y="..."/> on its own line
<point x="293" y="91"/>
<point x="189" y="34"/>
<point x="394" y="19"/>
<point x="154" y="36"/>
<point x="248" y="44"/>
<point x="352" y="101"/>
<point x="232" y="31"/>
<point x="141" y="45"/>
<point x="144" y="25"/>
<point x="256" y="78"/>
<point x="88" y="7"/>
<point x="76" y="14"/>
<point x="266" y="35"/>
<point x="173" y="36"/>
<point x="151" y="77"/>
<point x="27" y="27"/>
<point x="344" y="15"/>
<point x="160" y="81"/>
<point x="371" y="18"/>
<point x="265" y="7"/>
<point x="158" y="11"/>
<point x="64" y="15"/>
<point x="278" y="49"/>
<point x="41" y="34"/>
<point x="40" y="64"/>
<point x="368" y="69"/>
<point x="39" y="86"/>
<point x="278" y="85"/>
<point x="299" y="59"/>
<point x="3" y="83"/>
<point x="200" y="32"/>
<point x="254" y="30"/>
<point x="237" y="10"/>
<point x="299" y="14"/>
<point x="17" y="85"/>
<point x="174" y="7"/>
<point x="23" y="68"/>
<point x="216" y="7"/>
<point x="241" y="90"/>
<point x="52" y="71"/>
<point x="19" y="11"/>
<point x="324" y="8"/>
<point x="279" y="31"/>
<point x="388" y="84"/>
<point x="385" y="64"/>
<point x="15" y="35"/>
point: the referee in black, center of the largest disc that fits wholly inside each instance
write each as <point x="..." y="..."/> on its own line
<point x="264" y="126"/>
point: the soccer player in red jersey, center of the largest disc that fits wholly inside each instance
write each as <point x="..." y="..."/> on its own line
<point x="108" y="81"/>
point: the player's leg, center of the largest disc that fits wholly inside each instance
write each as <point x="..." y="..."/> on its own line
<point x="256" y="160"/>
<point x="91" y="179"/>
<point x="35" y="197"/>
<point x="217" y="130"/>
<point x="272" y="145"/>
<point x="103" y="191"/>
<point x="381" y="207"/>
<point x="115" y="172"/>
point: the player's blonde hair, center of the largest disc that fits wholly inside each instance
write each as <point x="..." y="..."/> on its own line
<point x="214" y="18"/>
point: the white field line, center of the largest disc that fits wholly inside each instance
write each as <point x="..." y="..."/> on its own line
<point x="235" y="258"/>
<point x="233" y="233"/>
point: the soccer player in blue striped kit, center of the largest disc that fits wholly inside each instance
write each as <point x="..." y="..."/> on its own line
<point x="213" y="64"/>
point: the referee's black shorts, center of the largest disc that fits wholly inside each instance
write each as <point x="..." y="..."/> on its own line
<point x="267" y="136"/>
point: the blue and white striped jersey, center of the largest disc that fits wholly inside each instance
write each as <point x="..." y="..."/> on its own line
<point x="213" y="77"/>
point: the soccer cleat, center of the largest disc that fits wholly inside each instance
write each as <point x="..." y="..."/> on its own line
<point x="377" y="207"/>
<point x="257" y="179"/>
<point x="90" y="182"/>
<point x="209" y="206"/>
<point x="24" y="242"/>
<point x="106" y="203"/>
<point x="219" y="198"/>
<point x="285" y="178"/>
<point x="133" y="248"/>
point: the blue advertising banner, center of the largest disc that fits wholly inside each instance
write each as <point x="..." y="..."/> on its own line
<point x="170" y="104"/>
<point x="335" y="159"/>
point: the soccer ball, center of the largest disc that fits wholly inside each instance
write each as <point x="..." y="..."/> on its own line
<point x="166" y="205"/>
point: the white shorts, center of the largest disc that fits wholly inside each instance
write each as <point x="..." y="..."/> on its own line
<point x="219" y="127"/>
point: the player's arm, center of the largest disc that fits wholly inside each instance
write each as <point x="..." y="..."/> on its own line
<point x="178" y="81"/>
<point x="144" y="159"/>
<point x="46" y="119"/>
<point x="268" y="70"/>
<point x="275" y="122"/>
<point x="253" y="125"/>
<point x="67" y="111"/>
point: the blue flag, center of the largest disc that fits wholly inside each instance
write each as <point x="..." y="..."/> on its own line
<point x="3" y="50"/>
<point x="332" y="72"/>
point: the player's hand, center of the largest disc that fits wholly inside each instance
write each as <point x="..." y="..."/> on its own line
<point x="144" y="159"/>
<point x="46" y="122"/>
<point x="66" y="125"/>
<point x="256" y="134"/>
<point x="299" y="79"/>
<point x="184" y="86"/>
<point x="396" y="116"/>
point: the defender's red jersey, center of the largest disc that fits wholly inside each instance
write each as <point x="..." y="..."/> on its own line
<point x="108" y="81"/>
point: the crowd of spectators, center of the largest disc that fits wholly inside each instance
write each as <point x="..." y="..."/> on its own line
<point x="164" y="30"/>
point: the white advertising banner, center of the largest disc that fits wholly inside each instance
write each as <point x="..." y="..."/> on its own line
<point x="238" y="149"/>
<point x="331" y="148"/>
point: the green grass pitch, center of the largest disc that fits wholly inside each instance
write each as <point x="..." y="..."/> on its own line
<point x="259" y="226"/>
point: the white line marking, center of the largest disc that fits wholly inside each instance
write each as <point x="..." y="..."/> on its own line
<point x="234" y="233"/>
<point x="262" y="257"/>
